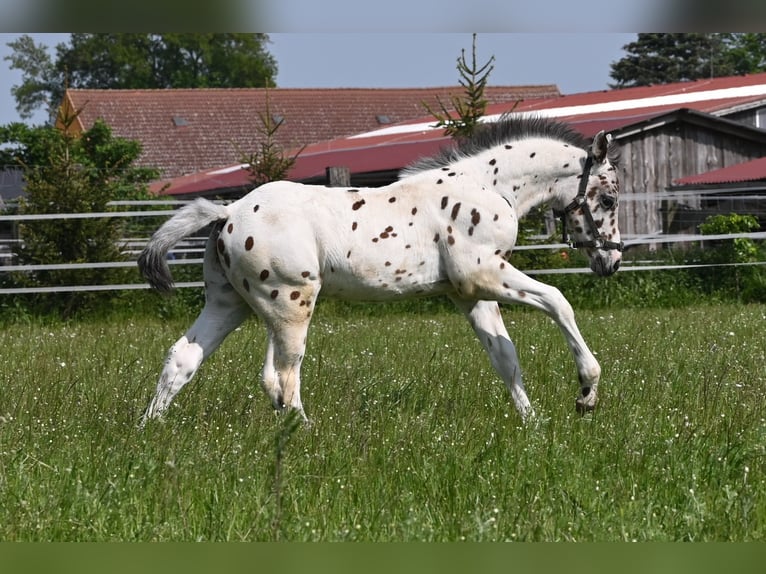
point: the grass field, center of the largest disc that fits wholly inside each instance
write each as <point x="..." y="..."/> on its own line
<point x="413" y="436"/>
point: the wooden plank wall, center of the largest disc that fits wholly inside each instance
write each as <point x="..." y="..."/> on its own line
<point x="653" y="159"/>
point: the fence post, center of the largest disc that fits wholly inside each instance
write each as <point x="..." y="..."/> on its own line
<point x="338" y="176"/>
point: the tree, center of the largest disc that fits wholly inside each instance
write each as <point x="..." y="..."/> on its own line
<point x="472" y="105"/>
<point x="138" y="61"/>
<point x="268" y="162"/>
<point x="67" y="173"/>
<point x="666" y="58"/>
<point x="747" y="53"/>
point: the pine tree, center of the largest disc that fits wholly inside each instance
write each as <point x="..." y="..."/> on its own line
<point x="666" y="58"/>
<point x="268" y="162"/>
<point x="469" y="107"/>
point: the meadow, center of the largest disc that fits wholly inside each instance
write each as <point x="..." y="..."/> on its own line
<point x="413" y="437"/>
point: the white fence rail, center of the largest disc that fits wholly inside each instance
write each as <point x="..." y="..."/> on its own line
<point x="184" y="253"/>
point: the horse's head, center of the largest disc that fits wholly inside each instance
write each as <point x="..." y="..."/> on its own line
<point x="591" y="219"/>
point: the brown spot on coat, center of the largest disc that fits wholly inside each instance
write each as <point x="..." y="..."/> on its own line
<point x="391" y="199"/>
<point x="256" y="208"/>
<point x="274" y="294"/>
<point x="305" y="274"/>
<point x="294" y="295"/>
<point x="230" y="227"/>
<point x="414" y="210"/>
<point x="450" y="240"/>
<point x="264" y="275"/>
<point x="436" y="238"/>
<point x="249" y="242"/>
<point x="358" y="204"/>
<point x="445" y="200"/>
<point x="475" y="217"/>
<point x="353" y="226"/>
<point x="455" y="210"/>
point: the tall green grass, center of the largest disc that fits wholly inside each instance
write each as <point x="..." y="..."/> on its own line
<point x="413" y="435"/>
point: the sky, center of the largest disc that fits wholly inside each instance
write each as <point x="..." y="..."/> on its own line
<point x="575" y="62"/>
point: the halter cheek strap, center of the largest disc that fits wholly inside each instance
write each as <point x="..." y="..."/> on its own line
<point x="599" y="242"/>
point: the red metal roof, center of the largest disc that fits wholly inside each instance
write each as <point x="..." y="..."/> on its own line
<point x="754" y="170"/>
<point x="396" y="146"/>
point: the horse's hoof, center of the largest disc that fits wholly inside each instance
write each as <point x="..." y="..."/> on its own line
<point x="585" y="406"/>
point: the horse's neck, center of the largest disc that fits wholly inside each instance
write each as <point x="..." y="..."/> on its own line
<point x="536" y="171"/>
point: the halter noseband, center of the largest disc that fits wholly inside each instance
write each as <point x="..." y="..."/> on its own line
<point x="579" y="202"/>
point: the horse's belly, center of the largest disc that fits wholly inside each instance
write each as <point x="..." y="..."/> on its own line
<point x="389" y="284"/>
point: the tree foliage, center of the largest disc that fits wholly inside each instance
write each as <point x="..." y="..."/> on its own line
<point x="665" y="58"/>
<point x="268" y="161"/>
<point x="66" y="173"/>
<point x="138" y="61"/>
<point x="470" y="106"/>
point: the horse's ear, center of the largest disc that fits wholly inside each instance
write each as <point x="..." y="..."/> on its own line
<point x="599" y="146"/>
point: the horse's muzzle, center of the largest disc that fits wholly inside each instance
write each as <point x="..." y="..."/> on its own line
<point x="604" y="265"/>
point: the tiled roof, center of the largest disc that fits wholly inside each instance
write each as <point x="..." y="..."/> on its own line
<point x="190" y="130"/>
<point x="749" y="171"/>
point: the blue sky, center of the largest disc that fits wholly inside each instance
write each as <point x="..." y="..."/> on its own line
<point x="576" y="62"/>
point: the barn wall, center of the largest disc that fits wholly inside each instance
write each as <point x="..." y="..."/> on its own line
<point x="653" y="159"/>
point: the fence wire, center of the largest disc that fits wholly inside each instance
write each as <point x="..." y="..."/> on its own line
<point x="196" y="246"/>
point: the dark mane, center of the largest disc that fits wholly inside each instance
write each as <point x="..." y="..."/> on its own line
<point x="506" y="129"/>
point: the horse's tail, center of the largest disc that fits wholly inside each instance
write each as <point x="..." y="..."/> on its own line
<point x="153" y="259"/>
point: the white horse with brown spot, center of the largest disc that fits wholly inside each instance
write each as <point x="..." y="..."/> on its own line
<point x="446" y="227"/>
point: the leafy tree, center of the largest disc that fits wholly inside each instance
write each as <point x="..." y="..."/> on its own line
<point x="135" y="61"/>
<point x="746" y="53"/>
<point x="66" y="173"/>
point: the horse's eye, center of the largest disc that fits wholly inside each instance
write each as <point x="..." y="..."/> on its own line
<point x="608" y="201"/>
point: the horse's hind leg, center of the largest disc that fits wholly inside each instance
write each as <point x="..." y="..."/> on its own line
<point x="224" y="311"/>
<point x="287" y="343"/>
<point x="487" y="322"/>
<point x="269" y="375"/>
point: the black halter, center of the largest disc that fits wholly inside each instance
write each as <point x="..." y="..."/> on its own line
<point x="599" y="242"/>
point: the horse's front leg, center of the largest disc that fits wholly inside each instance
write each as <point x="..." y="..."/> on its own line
<point x="487" y="322"/>
<point x="509" y="285"/>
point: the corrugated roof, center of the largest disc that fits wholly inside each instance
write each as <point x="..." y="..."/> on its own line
<point x="754" y="170"/>
<point x="187" y="130"/>
<point x="394" y="147"/>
